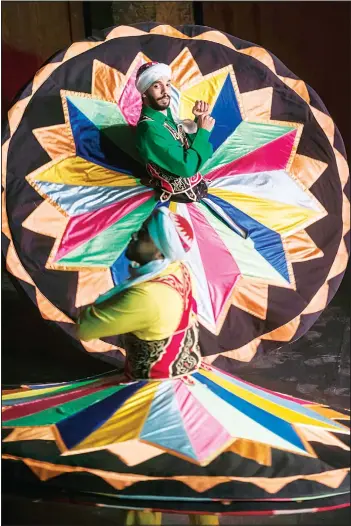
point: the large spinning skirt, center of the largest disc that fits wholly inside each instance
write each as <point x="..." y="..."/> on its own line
<point x="208" y="442"/>
<point x="74" y="194"/>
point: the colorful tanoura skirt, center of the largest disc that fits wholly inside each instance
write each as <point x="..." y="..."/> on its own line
<point x="205" y="443"/>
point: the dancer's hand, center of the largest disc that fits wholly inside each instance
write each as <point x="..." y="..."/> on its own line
<point x="200" y="108"/>
<point x="206" y="122"/>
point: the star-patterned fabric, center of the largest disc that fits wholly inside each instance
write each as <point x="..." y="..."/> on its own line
<point x="278" y="173"/>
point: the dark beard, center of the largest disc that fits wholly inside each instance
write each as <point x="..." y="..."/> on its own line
<point x="154" y="104"/>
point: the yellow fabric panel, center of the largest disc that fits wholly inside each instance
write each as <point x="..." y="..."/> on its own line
<point x="285" y="413"/>
<point x="126" y="423"/>
<point x="173" y="207"/>
<point x="143" y="518"/>
<point x="78" y="171"/>
<point x="203" y="520"/>
<point x="280" y="217"/>
<point x="29" y="393"/>
<point x="140" y="310"/>
<point x="206" y="90"/>
<point x="328" y="412"/>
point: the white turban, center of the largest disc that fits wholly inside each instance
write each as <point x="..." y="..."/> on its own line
<point x="149" y="73"/>
<point x="171" y="233"/>
<point x="173" y="236"/>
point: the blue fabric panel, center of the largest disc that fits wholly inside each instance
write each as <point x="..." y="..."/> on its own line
<point x="227" y="114"/>
<point x="164" y="424"/>
<point x="76" y="428"/>
<point x="283" y="402"/>
<point x="267" y="242"/>
<point x="120" y="269"/>
<point x="79" y="199"/>
<point x="92" y="145"/>
<point x="275" y="424"/>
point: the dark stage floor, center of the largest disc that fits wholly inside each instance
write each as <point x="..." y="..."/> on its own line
<point x="316" y="367"/>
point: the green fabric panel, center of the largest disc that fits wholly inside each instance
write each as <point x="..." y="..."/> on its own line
<point x="62" y="411"/>
<point x="247" y="137"/>
<point x="40" y="395"/>
<point x="101" y="113"/>
<point x="105" y="248"/>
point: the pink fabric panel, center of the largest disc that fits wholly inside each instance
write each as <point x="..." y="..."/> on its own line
<point x="220" y="268"/>
<point x="86" y="226"/>
<point x="206" y="435"/>
<point x="130" y="102"/>
<point x="272" y="156"/>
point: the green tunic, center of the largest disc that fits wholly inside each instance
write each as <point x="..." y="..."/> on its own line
<point x="157" y="145"/>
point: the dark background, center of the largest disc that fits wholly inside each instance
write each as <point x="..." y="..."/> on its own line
<point x="313" y="40"/>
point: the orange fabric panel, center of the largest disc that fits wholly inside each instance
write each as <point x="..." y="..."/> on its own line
<point x="301" y="247"/>
<point x="43" y="74"/>
<point x="343" y="167"/>
<point x="107" y="82"/>
<point x="325" y="122"/>
<point x="260" y="453"/>
<point x="258" y="103"/>
<point x="298" y="86"/>
<point x="14" y="265"/>
<point x="4" y="153"/>
<point x="168" y="31"/>
<point x="124" y="31"/>
<point x="306" y="169"/>
<point x="284" y="333"/>
<point x="49" y="311"/>
<point x="46" y="220"/>
<point x="318" y="301"/>
<point x="216" y="36"/>
<point x="56" y="140"/>
<point x="92" y="283"/>
<point x="260" y="54"/>
<point x="16" y="112"/>
<point x="100" y="346"/>
<point x="251" y="296"/>
<point x="78" y="48"/>
<point x="185" y="70"/>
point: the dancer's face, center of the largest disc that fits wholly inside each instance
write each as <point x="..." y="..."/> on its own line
<point x="141" y="248"/>
<point x="158" y="96"/>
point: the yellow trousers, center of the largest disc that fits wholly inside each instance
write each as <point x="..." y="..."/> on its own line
<point x="151" y="518"/>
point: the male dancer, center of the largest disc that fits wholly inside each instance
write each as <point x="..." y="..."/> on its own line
<point x="172" y="156"/>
